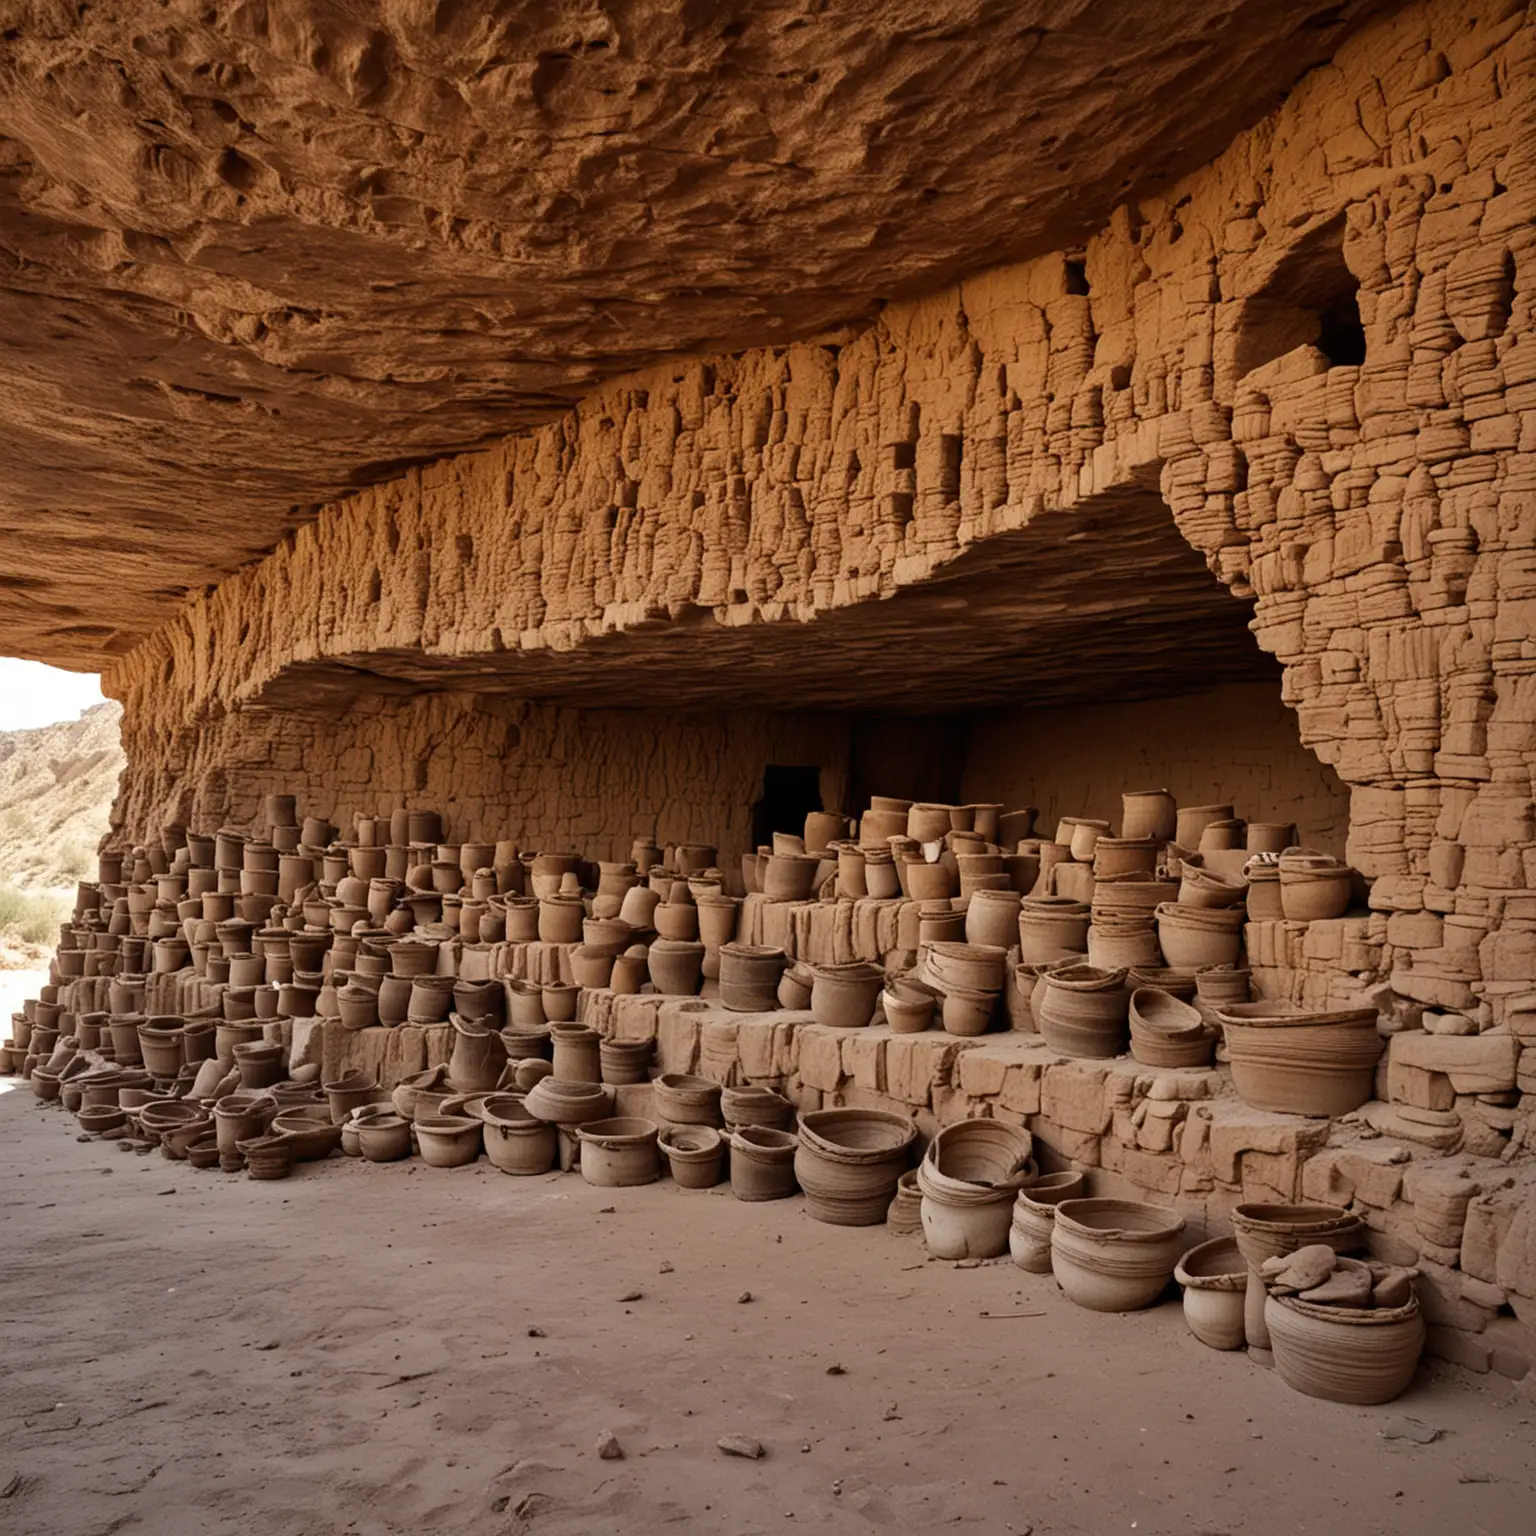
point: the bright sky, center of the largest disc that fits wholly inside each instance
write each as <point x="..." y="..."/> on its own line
<point x="32" y="694"/>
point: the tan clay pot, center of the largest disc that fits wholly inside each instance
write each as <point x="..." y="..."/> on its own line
<point x="1114" y="1255"/>
<point x="848" y="1163"/>
<point x="763" y="1163"/>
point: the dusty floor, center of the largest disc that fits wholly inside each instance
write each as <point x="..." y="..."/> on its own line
<point x="405" y="1349"/>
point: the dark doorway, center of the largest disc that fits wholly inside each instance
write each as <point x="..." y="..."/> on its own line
<point x="789" y="796"/>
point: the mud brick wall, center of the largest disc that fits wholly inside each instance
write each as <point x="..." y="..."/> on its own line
<point x="592" y="780"/>
<point x="1237" y="743"/>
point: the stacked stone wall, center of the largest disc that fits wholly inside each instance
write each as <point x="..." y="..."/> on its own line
<point x="1374" y="493"/>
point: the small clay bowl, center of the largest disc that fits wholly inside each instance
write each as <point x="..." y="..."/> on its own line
<point x="102" y="1119"/>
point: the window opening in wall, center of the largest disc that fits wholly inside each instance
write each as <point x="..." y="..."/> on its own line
<point x="1311" y="299"/>
<point x="790" y="794"/>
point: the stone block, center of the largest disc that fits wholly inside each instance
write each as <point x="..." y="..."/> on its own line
<point x="915" y="1063"/>
<point x="1469" y="1350"/>
<point x="1073" y="1096"/>
<point x="1370" y="1172"/>
<point x="819" y="1058"/>
<point x="677" y="1036"/>
<point x="863" y="1053"/>
<point x="1487" y="1222"/>
<point x="1473" y="1063"/>
<point x="1515" y="1270"/>
<point x="1413" y="1085"/>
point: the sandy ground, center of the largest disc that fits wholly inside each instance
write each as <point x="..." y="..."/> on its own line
<point x="407" y="1349"/>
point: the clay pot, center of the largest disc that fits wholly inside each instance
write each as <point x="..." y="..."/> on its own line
<point x="617" y="1154"/>
<point x="1270" y="836"/>
<point x="1122" y="944"/>
<point x="630" y="970"/>
<point x="848" y="1163"/>
<point x="311" y="1130"/>
<point x="1149" y="813"/>
<point x="1049" y="925"/>
<point x="625" y="1061"/>
<point x="795" y="987"/>
<point x="976" y="967"/>
<point x="204" y="1151"/>
<point x="1313" y="887"/>
<point x="350" y="1091"/>
<point x="431" y="999"/>
<point x="447" y="1141"/>
<point x="525" y="1006"/>
<point x="522" y="919"/>
<point x="922" y="881"/>
<point x="908" y="1006"/>
<point x="516" y="1141"/>
<point x="1264" y="901"/>
<point x="1034" y="1219"/>
<point x="790" y="876"/>
<point x="1177" y="983"/>
<point x="560" y="919"/>
<point x="393" y="999"/>
<point x="126" y="1050"/>
<point x="968" y="1012"/>
<point x="1221" y="986"/>
<point x="1195" y="937"/>
<point x="1345" y="1354"/>
<point x="695" y="1154"/>
<point x="479" y="999"/>
<point x="1119" y="856"/>
<point x="591" y="968"/>
<point x="763" y="1163"/>
<point x="677" y="919"/>
<point x="1114" y="1255"/>
<point x="101" y="1119"/>
<point x="904" y="1215"/>
<point x="421" y="1093"/>
<point x="843" y="996"/>
<point x="676" y="966"/>
<point x="753" y="1105"/>
<point x="881" y="879"/>
<point x="1200" y="887"/>
<point x="1214" y="1276"/>
<point x="260" y="1064"/>
<point x="358" y="1006"/>
<point x="1192" y="820"/>
<point x="568" y="1103"/>
<point x="384" y="1138"/>
<point x="1082" y="1011"/>
<point x="749" y="977"/>
<point x="577" y="1052"/>
<point x="1168" y="1033"/>
<point x="160" y="1046"/>
<point x="929" y="823"/>
<point x="969" y="1179"/>
<point x="1267" y="1231"/>
<point x="992" y="918"/>
<point x="1301" y="1061"/>
<point x="685" y="1100"/>
<point x="267" y="1157"/>
<point x="560" y="1001"/>
<point x="478" y="1056"/>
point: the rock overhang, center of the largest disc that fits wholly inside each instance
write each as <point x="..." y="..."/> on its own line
<point x="260" y="255"/>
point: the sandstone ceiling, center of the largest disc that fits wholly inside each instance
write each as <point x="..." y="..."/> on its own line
<point x="255" y="254"/>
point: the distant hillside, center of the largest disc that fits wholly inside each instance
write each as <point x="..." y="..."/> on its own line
<point x="56" y="791"/>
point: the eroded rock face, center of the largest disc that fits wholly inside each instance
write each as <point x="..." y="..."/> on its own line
<point x="255" y="254"/>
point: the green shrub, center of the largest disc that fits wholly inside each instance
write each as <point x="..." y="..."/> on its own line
<point x="34" y="919"/>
